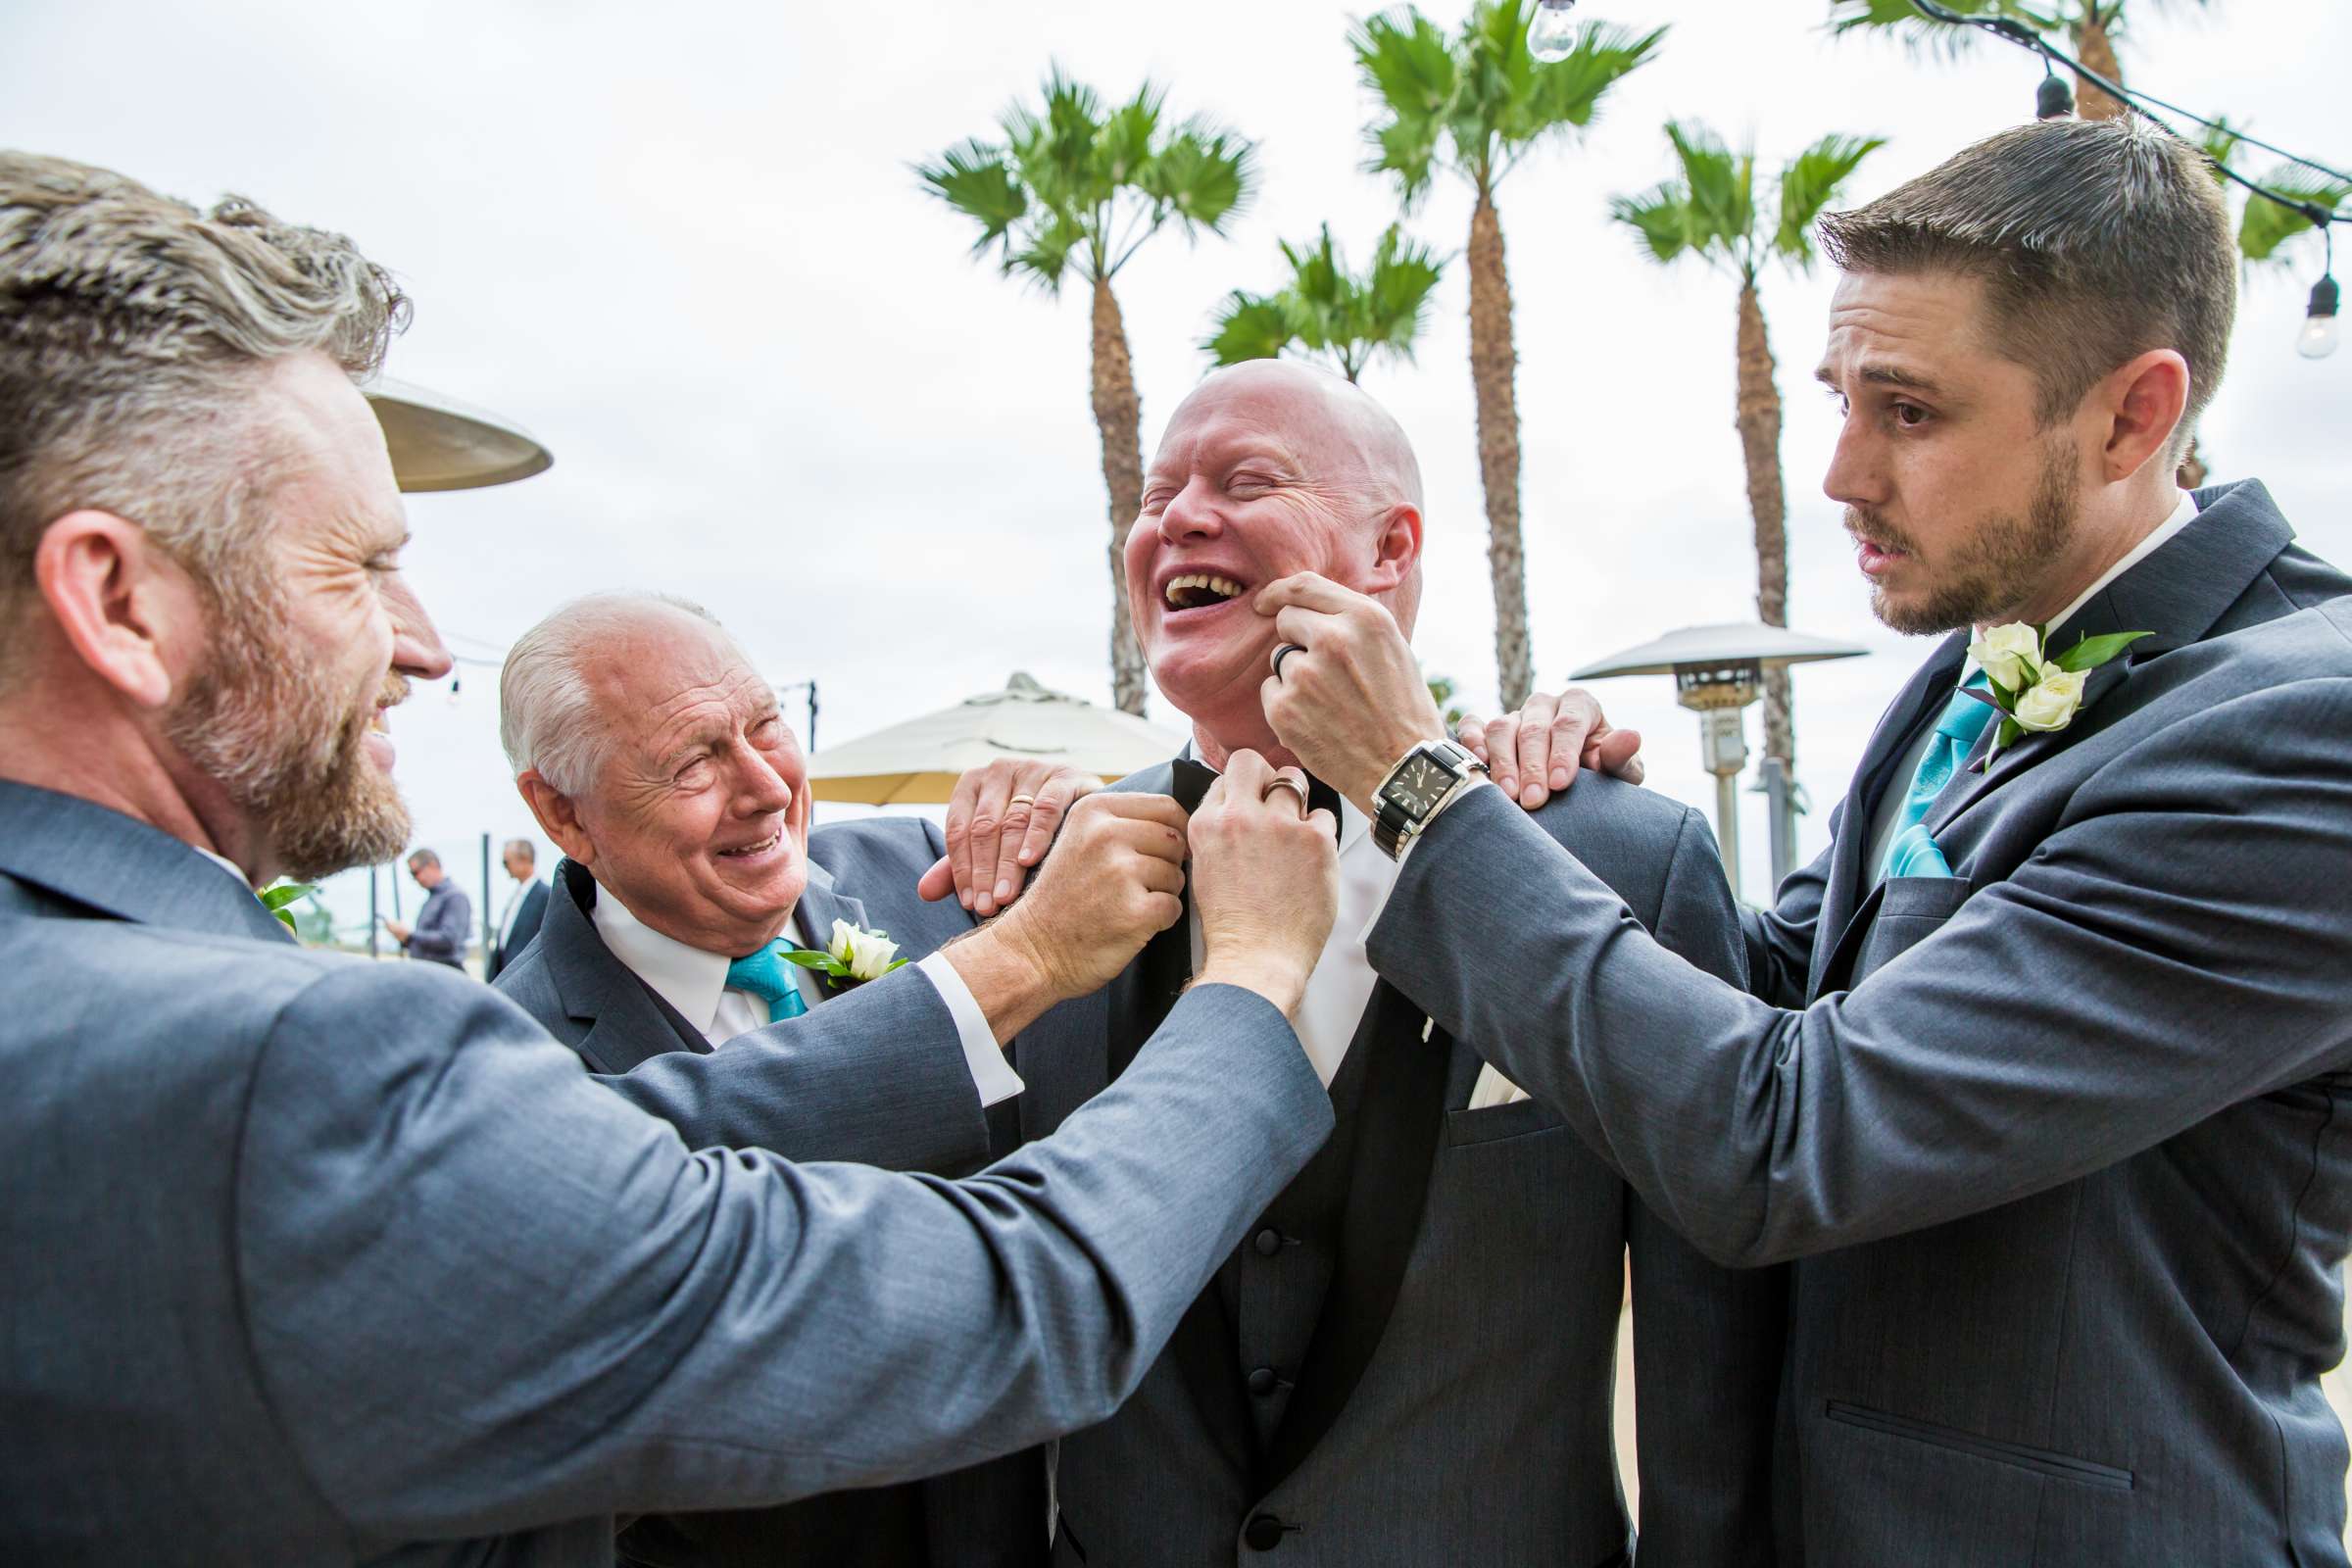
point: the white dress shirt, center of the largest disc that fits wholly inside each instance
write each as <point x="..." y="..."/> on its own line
<point x="1890" y="805"/>
<point x="695" y="983"/>
<point x="505" y="923"/>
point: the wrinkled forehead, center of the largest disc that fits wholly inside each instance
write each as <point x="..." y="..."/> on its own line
<point x="667" y="676"/>
<point x="1902" y="327"/>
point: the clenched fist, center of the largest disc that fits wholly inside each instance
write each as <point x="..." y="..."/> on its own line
<point x="1266" y="880"/>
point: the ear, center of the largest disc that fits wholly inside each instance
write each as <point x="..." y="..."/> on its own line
<point x="2141" y="404"/>
<point x="1395" y="548"/>
<point x="124" y="605"/>
<point x="558" y="817"/>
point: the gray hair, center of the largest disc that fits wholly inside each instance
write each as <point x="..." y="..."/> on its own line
<point x="418" y="858"/>
<point x="2097" y="241"/>
<point x="522" y="847"/>
<point x="548" y="719"/>
<point x="133" y="328"/>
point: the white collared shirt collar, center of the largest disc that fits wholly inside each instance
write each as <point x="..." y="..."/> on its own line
<point x="225" y="864"/>
<point x="1353" y="825"/>
<point x="2184" y="512"/>
<point x="687" y="978"/>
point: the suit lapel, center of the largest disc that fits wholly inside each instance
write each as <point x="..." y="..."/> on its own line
<point x="821" y="904"/>
<point x="2177" y="594"/>
<point x="1849" y="886"/>
<point x="628" y="1020"/>
<point x="1385" y="1142"/>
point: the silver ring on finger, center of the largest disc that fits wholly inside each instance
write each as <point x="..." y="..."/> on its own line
<point x="1283" y="653"/>
<point x="1283" y="781"/>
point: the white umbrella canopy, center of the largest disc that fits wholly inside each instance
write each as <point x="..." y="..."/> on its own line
<point x="917" y="762"/>
<point x="438" y="443"/>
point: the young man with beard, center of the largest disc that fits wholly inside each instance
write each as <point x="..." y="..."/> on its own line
<point x="1409" y="1362"/>
<point x="2042" y="1070"/>
<point x="305" y="1259"/>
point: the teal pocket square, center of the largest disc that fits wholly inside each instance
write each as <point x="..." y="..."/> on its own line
<point x="1915" y="855"/>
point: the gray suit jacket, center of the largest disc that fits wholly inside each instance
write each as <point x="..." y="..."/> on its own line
<point x="443" y="926"/>
<point x="1410" y="1364"/>
<point x="991" y="1516"/>
<point x="308" y="1259"/>
<point x="2062" y="1142"/>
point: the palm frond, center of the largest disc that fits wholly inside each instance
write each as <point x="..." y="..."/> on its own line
<point x="1395" y="294"/>
<point x="1925" y="35"/>
<point x="1569" y="92"/>
<point x="2267" y="227"/>
<point x="1123" y="143"/>
<point x="2220" y="141"/>
<point x="1408" y="65"/>
<point x="1250" y="327"/>
<point x="975" y="179"/>
<point x="1662" y="217"/>
<point x="1045" y="253"/>
<point x="1809" y="183"/>
<point x="1719" y="185"/>
<point x="1204" y="175"/>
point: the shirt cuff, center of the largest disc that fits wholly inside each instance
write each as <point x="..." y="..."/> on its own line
<point x="992" y="1074"/>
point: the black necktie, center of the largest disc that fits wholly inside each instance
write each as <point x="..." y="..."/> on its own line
<point x="1194" y="777"/>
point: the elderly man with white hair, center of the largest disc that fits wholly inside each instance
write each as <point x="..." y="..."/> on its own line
<point x="655" y="756"/>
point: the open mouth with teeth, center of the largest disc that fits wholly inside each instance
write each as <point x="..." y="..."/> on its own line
<point x="745" y="852"/>
<point x="1201" y="590"/>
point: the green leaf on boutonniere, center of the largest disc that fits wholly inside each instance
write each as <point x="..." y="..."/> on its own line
<point x="276" y="898"/>
<point x="2093" y="652"/>
<point x="836" y="972"/>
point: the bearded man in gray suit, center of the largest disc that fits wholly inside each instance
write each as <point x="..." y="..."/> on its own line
<point x="653" y="752"/>
<point x="1410" y="1360"/>
<point x="2042" y="1070"/>
<point x="313" y="1259"/>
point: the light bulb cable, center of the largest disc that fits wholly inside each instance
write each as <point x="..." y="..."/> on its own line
<point x="2011" y="31"/>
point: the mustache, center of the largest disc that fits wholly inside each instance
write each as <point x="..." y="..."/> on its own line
<point x="393" y="693"/>
<point x="1863" y="524"/>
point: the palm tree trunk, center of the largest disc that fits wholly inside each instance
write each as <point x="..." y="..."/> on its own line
<point x="1118" y="416"/>
<point x="2096" y="51"/>
<point x="1759" y="425"/>
<point x="1494" y="366"/>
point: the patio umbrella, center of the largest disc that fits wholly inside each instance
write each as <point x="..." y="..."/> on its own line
<point x="438" y="443"/>
<point x="917" y="762"/>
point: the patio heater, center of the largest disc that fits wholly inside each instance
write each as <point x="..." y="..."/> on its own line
<point x="1718" y="672"/>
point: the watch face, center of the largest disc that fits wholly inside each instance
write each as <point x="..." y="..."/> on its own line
<point x="1420" y="786"/>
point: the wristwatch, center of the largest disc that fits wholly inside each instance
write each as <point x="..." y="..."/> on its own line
<point x="1417" y="789"/>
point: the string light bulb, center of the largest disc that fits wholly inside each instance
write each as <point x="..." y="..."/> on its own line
<point x="2322" y="329"/>
<point x="1551" y="35"/>
<point x="2053" y="99"/>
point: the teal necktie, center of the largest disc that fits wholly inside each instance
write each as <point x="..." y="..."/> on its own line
<point x="766" y="975"/>
<point x="1912" y="852"/>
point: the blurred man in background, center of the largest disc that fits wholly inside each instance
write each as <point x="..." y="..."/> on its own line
<point x="444" y="923"/>
<point x="525" y="908"/>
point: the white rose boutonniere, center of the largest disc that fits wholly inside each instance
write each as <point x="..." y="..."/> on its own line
<point x="2034" y="693"/>
<point x="853" y="956"/>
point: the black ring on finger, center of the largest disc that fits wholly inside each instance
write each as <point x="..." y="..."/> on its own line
<point x="1283" y="653"/>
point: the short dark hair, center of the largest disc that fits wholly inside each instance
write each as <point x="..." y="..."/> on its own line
<point x="423" y="857"/>
<point x="2097" y="241"/>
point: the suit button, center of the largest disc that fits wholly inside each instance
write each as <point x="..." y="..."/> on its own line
<point x="1264" y="1381"/>
<point x="1268" y="1242"/>
<point x="1263" y="1533"/>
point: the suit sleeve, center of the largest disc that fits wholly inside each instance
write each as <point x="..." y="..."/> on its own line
<point x="2181" y="941"/>
<point x="1706" y="1338"/>
<point x="876" y="1077"/>
<point x="483" y="1293"/>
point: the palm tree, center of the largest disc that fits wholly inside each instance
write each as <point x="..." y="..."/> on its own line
<point x="1714" y="210"/>
<point x="2266" y="230"/>
<point x="1477" y="104"/>
<point x="1076" y="188"/>
<point x="1326" y="309"/>
<point x="2092" y="26"/>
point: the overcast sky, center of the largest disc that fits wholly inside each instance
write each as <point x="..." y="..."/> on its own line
<point x="684" y="247"/>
